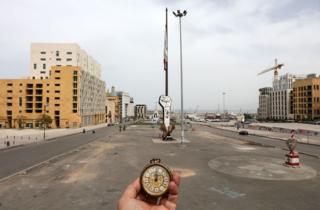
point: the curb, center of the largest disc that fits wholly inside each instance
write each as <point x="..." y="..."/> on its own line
<point x="48" y="139"/>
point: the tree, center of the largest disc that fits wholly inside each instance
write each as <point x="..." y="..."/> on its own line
<point x="46" y="120"/>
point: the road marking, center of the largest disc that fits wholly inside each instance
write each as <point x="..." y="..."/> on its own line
<point x="227" y="192"/>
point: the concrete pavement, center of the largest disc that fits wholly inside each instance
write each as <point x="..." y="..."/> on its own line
<point x="95" y="176"/>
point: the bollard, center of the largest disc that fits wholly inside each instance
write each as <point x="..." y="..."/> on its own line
<point x="292" y="158"/>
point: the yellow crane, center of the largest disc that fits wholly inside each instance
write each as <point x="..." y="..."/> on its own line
<point x="276" y="69"/>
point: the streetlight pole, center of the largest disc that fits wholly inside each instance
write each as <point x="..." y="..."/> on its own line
<point x="43" y="122"/>
<point x="180" y="15"/>
<point x="224" y="102"/>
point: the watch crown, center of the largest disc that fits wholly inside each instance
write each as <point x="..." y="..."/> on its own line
<point x="155" y="160"/>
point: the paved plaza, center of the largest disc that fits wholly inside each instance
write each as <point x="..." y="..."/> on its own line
<point x="217" y="173"/>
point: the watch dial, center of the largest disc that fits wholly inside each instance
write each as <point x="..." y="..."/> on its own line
<point x="155" y="180"/>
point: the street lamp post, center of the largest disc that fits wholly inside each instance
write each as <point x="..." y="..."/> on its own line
<point x="224" y="102"/>
<point x="180" y="15"/>
<point x="43" y="122"/>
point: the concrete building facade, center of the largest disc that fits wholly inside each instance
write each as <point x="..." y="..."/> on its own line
<point x="281" y="95"/>
<point x="24" y="101"/>
<point x="126" y="105"/>
<point x="45" y="55"/>
<point x="70" y="92"/>
<point x="264" y="109"/>
<point x="306" y="98"/>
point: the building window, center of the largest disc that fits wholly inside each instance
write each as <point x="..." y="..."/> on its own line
<point x="43" y="52"/>
<point x="57" y="78"/>
<point x="58" y="59"/>
<point x="44" y="66"/>
<point x="34" y="66"/>
<point x="9" y="91"/>
<point x="57" y="71"/>
<point x="69" y="53"/>
<point x="75" y="72"/>
<point x="47" y="100"/>
<point x="42" y="59"/>
<point x="69" y="59"/>
<point x="57" y="85"/>
<point x="42" y="72"/>
<point x="57" y="53"/>
<point x="20" y="101"/>
<point x="9" y="98"/>
<point x="57" y="91"/>
<point x="56" y="98"/>
<point x="74" y="85"/>
<point x="9" y="104"/>
<point x="57" y="105"/>
<point x="9" y="84"/>
<point x="74" y="92"/>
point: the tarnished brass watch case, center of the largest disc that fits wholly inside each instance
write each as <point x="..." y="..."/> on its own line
<point x="155" y="186"/>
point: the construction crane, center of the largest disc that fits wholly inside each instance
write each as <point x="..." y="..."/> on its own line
<point x="276" y="69"/>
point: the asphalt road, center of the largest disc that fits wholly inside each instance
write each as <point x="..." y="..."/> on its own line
<point x="95" y="177"/>
<point x="302" y="148"/>
<point x="17" y="159"/>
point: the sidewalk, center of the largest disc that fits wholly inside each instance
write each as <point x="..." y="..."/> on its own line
<point x="17" y="137"/>
<point x="275" y="135"/>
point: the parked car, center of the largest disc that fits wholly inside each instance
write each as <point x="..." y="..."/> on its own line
<point x="243" y="132"/>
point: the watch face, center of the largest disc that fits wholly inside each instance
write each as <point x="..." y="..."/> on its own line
<point x="155" y="180"/>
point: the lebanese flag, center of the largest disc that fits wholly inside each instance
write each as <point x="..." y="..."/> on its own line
<point x="165" y="50"/>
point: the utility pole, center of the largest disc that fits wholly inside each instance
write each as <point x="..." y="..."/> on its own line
<point x="180" y="15"/>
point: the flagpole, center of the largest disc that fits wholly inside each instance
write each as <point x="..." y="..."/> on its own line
<point x="166" y="90"/>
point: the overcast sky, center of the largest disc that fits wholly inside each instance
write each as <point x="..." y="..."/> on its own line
<point x="225" y="44"/>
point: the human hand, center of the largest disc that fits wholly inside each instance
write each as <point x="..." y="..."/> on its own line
<point x="132" y="199"/>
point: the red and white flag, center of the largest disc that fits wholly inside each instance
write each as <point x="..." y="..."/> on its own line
<point x="165" y="50"/>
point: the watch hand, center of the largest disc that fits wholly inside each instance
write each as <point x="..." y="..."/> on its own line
<point x="156" y="175"/>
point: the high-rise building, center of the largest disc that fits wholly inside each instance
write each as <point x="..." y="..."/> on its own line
<point x="264" y="110"/>
<point x="45" y="55"/>
<point x="126" y="105"/>
<point x="306" y="98"/>
<point x="73" y="96"/>
<point x="281" y="103"/>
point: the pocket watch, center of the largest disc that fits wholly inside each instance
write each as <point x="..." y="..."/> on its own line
<point x="155" y="179"/>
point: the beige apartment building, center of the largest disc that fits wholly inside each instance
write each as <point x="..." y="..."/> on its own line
<point x="306" y="98"/>
<point x="45" y="55"/>
<point x="72" y="94"/>
<point x="24" y="101"/>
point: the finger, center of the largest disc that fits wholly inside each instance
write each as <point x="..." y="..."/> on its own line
<point x="133" y="189"/>
<point x="173" y="192"/>
<point x="168" y="204"/>
<point x="176" y="177"/>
